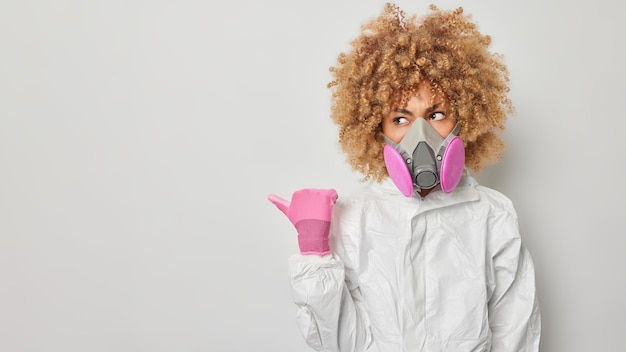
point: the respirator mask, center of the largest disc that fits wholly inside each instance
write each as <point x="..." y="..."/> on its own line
<point x="423" y="159"/>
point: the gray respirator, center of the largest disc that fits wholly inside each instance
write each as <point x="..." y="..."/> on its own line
<point x="423" y="159"/>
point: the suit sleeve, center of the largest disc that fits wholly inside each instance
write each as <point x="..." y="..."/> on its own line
<point x="331" y="314"/>
<point x="514" y="316"/>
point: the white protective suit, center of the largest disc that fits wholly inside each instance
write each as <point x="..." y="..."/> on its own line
<point x="445" y="273"/>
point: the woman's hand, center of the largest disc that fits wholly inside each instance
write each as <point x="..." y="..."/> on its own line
<point x="309" y="211"/>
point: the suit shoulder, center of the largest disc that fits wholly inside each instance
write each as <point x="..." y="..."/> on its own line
<point x="498" y="201"/>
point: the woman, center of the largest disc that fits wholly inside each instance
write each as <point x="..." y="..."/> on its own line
<point x="423" y="258"/>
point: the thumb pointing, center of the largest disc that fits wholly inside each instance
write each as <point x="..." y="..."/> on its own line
<point x="280" y="203"/>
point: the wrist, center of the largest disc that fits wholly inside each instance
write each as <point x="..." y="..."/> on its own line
<point x="313" y="236"/>
<point x="313" y="245"/>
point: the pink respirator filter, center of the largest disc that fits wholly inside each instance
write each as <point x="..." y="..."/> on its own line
<point x="398" y="170"/>
<point x="452" y="165"/>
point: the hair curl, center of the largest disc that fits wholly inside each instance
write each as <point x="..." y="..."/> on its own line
<point x="388" y="60"/>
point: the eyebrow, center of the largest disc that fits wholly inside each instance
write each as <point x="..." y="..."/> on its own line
<point x="404" y="111"/>
<point x="434" y="107"/>
<point x="430" y="109"/>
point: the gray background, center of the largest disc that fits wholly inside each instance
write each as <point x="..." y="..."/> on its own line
<point x="139" y="140"/>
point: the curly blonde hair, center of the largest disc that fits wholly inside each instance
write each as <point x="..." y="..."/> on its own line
<point x="392" y="55"/>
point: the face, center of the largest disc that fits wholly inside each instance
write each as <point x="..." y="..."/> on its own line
<point x="420" y="106"/>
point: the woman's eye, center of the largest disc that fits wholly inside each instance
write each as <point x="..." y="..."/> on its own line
<point x="436" y="116"/>
<point x="400" y="120"/>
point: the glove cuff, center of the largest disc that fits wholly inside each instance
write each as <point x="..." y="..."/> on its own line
<point x="313" y="236"/>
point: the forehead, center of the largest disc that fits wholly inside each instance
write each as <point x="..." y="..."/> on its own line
<point x="424" y="93"/>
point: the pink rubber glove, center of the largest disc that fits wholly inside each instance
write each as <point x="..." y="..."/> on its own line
<point x="309" y="211"/>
